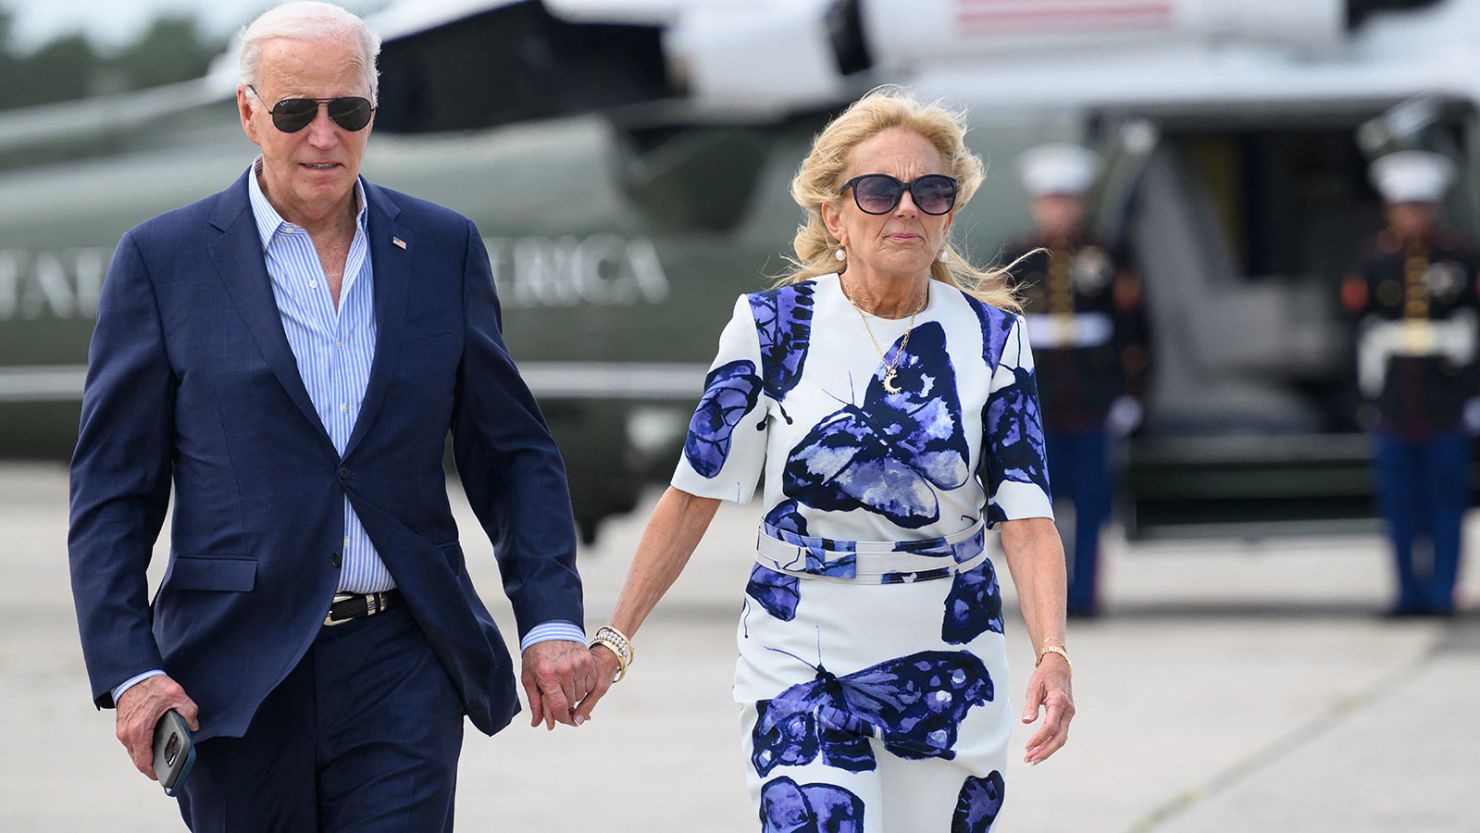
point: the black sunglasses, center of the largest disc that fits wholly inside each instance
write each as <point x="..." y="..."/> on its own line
<point x="880" y="193"/>
<point x="291" y="115"/>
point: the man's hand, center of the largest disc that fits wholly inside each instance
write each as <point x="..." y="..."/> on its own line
<point x="139" y="711"/>
<point x="557" y="675"/>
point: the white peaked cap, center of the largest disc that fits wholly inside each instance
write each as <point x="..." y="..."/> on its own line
<point x="1059" y="168"/>
<point x="1412" y="176"/>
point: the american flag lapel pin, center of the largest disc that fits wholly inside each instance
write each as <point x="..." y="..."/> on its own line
<point x="398" y="242"/>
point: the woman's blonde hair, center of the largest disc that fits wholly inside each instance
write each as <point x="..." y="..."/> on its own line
<point x="821" y="174"/>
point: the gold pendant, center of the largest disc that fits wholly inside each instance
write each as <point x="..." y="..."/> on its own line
<point x="889" y="385"/>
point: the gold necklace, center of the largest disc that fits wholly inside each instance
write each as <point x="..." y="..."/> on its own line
<point x="891" y="369"/>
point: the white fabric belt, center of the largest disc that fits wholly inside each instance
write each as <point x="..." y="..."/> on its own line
<point x="1453" y="338"/>
<point x="872" y="562"/>
<point x="1083" y="329"/>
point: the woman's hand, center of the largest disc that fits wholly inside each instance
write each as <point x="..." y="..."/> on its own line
<point x="1049" y="688"/>
<point x="606" y="671"/>
<point x="1035" y="556"/>
<point x="677" y="524"/>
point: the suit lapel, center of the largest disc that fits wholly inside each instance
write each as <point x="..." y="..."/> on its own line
<point x="391" y="265"/>
<point x="237" y="255"/>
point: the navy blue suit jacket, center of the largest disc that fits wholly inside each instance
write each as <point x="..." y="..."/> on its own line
<point x="191" y="379"/>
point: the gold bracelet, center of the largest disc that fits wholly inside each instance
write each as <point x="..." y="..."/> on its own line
<point x="1054" y="649"/>
<point x="611" y="645"/>
<point x="619" y="644"/>
<point x="623" y="638"/>
<point x="623" y="642"/>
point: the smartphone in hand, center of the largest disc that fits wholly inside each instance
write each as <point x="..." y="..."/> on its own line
<point x="174" y="752"/>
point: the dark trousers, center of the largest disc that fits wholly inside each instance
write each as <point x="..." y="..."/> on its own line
<point x="362" y="736"/>
<point x="1079" y="472"/>
<point x="1423" y="489"/>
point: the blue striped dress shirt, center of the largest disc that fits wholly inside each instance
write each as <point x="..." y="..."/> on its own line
<point x="334" y="348"/>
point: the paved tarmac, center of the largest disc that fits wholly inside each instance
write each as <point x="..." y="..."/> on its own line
<point x="1233" y="686"/>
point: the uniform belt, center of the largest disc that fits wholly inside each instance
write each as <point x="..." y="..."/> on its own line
<point x="1083" y="329"/>
<point x="348" y="607"/>
<point x="1452" y="338"/>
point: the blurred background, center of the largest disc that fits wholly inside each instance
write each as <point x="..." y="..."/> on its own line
<point x="627" y="162"/>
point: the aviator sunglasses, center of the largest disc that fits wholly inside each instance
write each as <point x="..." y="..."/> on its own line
<point x="291" y="115"/>
<point x="880" y="193"/>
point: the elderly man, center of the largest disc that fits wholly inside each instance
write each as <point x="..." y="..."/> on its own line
<point x="291" y="353"/>
<point x="1086" y="319"/>
<point x="1412" y="297"/>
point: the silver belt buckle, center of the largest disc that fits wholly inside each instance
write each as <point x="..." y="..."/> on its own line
<point x="329" y="620"/>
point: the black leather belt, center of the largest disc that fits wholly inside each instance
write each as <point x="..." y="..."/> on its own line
<point x="348" y="607"/>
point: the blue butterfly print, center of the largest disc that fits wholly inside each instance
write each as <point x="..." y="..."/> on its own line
<point x="788" y="807"/>
<point x="960" y="552"/>
<point x="979" y="803"/>
<point x="973" y="606"/>
<point x="912" y="704"/>
<point x="813" y="554"/>
<point x="777" y="592"/>
<point x="845" y="567"/>
<point x="912" y="576"/>
<point x="1014" y="434"/>
<point x="996" y="326"/>
<point x="730" y="392"/>
<point x="787" y="524"/>
<point x="783" y="518"/>
<point x="783" y="323"/>
<point x="885" y="455"/>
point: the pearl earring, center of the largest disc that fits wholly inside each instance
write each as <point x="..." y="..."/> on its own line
<point x="840" y="255"/>
<point x="944" y="256"/>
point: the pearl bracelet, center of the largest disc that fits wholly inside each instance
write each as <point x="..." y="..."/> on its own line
<point x="618" y="643"/>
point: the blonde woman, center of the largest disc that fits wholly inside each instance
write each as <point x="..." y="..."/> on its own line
<point x="886" y="396"/>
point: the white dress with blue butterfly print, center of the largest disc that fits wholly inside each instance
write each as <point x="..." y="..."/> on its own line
<point x="872" y="666"/>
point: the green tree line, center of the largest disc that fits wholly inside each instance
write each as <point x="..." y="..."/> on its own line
<point x="173" y="48"/>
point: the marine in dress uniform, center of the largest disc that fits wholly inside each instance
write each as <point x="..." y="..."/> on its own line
<point x="1413" y="301"/>
<point x="1085" y="314"/>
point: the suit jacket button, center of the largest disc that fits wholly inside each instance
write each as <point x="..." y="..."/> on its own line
<point x="344" y="472"/>
<point x="336" y="559"/>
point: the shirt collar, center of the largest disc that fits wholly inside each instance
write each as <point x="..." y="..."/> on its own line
<point x="269" y="221"/>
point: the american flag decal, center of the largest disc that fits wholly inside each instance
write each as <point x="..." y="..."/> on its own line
<point x="1019" y="18"/>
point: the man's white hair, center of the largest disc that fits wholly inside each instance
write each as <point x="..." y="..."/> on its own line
<point x="309" y="21"/>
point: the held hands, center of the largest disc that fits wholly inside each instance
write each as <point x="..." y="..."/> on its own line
<point x="607" y="665"/>
<point x="139" y="711"/>
<point x="612" y="653"/>
<point x="557" y="675"/>
<point x="1049" y="688"/>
